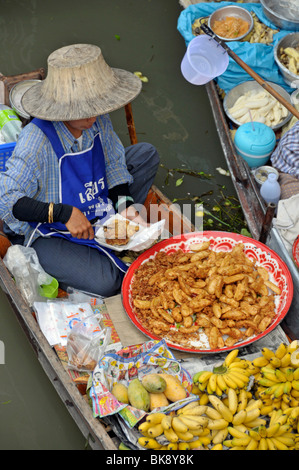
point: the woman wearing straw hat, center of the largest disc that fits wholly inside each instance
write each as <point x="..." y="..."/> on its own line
<point x="69" y="168"/>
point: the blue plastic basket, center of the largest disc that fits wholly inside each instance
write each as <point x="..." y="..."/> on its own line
<point x="5" y="152"/>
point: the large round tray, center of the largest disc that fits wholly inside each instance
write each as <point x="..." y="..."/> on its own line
<point x="219" y="241"/>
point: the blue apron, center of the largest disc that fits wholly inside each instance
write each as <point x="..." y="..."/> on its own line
<point x="82" y="183"/>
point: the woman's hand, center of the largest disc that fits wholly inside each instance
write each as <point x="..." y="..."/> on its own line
<point x="79" y="226"/>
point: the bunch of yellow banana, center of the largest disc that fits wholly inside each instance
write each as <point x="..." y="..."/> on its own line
<point x="181" y="430"/>
<point x="293" y="418"/>
<point x="232" y="373"/>
<point x="282" y="383"/>
<point x="277" y="435"/>
<point x="277" y="384"/>
<point x="284" y="356"/>
<point x="230" y="414"/>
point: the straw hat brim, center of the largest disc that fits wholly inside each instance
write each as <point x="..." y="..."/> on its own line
<point x="124" y="88"/>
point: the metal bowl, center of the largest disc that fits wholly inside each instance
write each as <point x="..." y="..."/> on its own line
<point x="290" y="40"/>
<point x="283" y="13"/>
<point x="239" y="90"/>
<point x="16" y="94"/>
<point x="237" y="12"/>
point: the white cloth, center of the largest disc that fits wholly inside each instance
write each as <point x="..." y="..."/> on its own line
<point x="287" y="220"/>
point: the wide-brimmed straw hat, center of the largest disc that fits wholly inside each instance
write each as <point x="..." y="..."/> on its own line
<point x="79" y="85"/>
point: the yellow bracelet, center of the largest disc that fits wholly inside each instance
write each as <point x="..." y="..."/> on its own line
<point x="50" y="213"/>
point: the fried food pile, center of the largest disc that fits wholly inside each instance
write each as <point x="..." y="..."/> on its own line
<point x="119" y="231"/>
<point x="178" y="295"/>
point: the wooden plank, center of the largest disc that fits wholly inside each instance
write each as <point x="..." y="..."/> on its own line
<point x="246" y="188"/>
<point x="175" y="221"/>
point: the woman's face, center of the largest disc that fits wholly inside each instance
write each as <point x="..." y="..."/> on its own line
<point x="76" y="127"/>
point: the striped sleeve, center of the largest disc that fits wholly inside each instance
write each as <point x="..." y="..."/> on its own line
<point x="286" y="155"/>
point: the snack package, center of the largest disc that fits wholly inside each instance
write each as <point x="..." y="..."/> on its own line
<point x="86" y="344"/>
<point x="125" y="365"/>
<point x="57" y="317"/>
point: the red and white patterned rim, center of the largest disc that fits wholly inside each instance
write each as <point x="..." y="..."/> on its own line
<point x="295" y="251"/>
<point x="219" y="241"/>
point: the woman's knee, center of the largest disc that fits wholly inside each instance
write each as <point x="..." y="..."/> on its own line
<point x="142" y="153"/>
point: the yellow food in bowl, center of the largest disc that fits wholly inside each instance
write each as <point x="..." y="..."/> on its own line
<point x="230" y="27"/>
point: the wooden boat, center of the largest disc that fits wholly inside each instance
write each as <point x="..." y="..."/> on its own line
<point x="106" y="433"/>
<point x="99" y="434"/>
<point x="256" y="213"/>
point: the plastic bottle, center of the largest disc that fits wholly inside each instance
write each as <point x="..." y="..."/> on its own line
<point x="270" y="189"/>
<point x="10" y="124"/>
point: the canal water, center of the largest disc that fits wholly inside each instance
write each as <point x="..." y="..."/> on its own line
<point x="137" y="35"/>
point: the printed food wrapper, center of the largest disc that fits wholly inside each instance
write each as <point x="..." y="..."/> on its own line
<point x="128" y="364"/>
<point x="141" y="240"/>
<point x="57" y="318"/>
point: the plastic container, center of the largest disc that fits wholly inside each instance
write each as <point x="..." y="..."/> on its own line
<point x="261" y="174"/>
<point x="49" y="290"/>
<point x="5" y="152"/>
<point x="270" y="189"/>
<point x="254" y="142"/>
<point x="10" y="124"/>
<point x="204" y="60"/>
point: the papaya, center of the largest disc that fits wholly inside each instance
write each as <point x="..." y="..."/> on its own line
<point x="157" y="400"/>
<point x="138" y="395"/>
<point x="153" y="383"/>
<point x="120" y="392"/>
<point x="174" y="390"/>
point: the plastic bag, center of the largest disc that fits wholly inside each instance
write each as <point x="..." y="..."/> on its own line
<point x="75" y="295"/>
<point x="23" y="264"/>
<point x="86" y="344"/>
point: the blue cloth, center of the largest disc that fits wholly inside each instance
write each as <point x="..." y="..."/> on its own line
<point x="257" y="56"/>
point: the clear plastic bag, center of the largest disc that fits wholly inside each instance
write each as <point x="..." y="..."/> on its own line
<point x="75" y="295"/>
<point x="86" y="344"/>
<point x="23" y="264"/>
